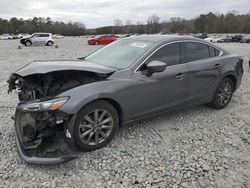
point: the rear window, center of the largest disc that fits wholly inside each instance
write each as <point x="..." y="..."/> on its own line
<point x="194" y="51"/>
<point x="44" y="35"/>
<point x="213" y="52"/>
<point x="217" y="52"/>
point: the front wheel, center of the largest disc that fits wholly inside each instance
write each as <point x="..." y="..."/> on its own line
<point x="96" y="125"/>
<point x="223" y="94"/>
<point x="28" y="43"/>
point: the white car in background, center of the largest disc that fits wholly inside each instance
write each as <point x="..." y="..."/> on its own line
<point x="38" y="39"/>
<point x="214" y="39"/>
<point x="6" y="36"/>
<point x="58" y="36"/>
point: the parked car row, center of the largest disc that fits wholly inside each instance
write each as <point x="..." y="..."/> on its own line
<point x="8" y="36"/>
<point x="108" y="38"/>
<point x="224" y="38"/>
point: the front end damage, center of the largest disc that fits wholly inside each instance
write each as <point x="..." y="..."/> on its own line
<point x="44" y="133"/>
<point x="44" y="137"/>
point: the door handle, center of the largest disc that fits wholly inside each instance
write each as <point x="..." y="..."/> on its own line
<point x="180" y="76"/>
<point x="217" y="66"/>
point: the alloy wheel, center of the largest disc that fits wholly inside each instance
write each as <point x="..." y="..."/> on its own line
<point x="225" y="93"/>
<point x="96" y="127"/>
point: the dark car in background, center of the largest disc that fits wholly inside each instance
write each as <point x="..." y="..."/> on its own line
<point x="225" y="38"/>
<point x="245" y="39"/>
<point x="202" y="35"/>
<point x="103" y="39"/>
<point x="69" y="104"/>
<point x="236" y="38"/>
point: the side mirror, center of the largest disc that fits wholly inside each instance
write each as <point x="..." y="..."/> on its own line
<point x="155" y="66"/>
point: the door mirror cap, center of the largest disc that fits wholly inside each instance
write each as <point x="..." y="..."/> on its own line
<point x="156" y="66"/>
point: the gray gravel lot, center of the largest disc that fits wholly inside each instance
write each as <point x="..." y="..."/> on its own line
<point x="196" y="147"/>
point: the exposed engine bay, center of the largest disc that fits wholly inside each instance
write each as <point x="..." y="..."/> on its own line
<point x="43" y="132"/>
<point x="37" y="86"/>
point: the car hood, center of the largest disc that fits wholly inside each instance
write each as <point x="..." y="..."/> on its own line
<point x="26" y="37"/>
<point x="46" y="66"/>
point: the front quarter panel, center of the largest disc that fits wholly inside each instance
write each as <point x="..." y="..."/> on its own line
<point x="114" y="89"/>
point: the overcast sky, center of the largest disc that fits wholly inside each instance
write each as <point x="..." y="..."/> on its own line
<point x="96" y="13"/>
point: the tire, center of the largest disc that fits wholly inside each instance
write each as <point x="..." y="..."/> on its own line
<point x="89" y="132"/>
<point x="28" y="43"/>
<point x="96" y="43"/>
<point x="223" y="94"/>
<point x="49" y="43"/>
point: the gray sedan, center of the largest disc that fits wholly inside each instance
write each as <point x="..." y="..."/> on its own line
<point x="65" y="105"/>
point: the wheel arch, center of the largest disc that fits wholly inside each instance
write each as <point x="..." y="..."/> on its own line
<point x="49" y="41"/>
<point x="232" y="77"/>
<point x="114" y="103"/>
<point x="28" y="40"/>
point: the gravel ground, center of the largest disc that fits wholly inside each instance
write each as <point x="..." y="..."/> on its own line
<point x="196" y="147"/>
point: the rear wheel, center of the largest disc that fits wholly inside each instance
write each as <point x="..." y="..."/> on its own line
<point x="49" y="43"/>
<point x="223" y="94"/>
<point x="96" y="125"/>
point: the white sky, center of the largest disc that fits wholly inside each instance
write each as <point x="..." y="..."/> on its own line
<point x="96" y="13"/>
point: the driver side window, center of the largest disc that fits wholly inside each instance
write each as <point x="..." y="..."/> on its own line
<point x="169" y="54"/>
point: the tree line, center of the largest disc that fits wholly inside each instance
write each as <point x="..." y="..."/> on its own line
<point x="232" y="22"/>
<point x="39" y="24"/>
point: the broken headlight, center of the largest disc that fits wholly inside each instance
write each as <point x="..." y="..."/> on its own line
<point x="52" y="104"/>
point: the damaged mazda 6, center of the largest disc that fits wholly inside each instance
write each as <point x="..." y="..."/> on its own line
<point x="70" y="105"/>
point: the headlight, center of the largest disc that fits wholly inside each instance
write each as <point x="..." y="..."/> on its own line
<point x="53" y="104"/>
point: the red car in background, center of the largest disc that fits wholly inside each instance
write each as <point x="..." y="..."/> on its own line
<point x="103" y="39"/>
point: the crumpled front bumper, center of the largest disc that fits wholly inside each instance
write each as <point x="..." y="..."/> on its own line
<point x="64" y="146"/>
<point x="41" y="160"/>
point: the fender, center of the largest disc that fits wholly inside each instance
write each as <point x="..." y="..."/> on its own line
<point x="114" y="90"/>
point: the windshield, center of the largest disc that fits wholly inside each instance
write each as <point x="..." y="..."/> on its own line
<point x="120" y="54"/>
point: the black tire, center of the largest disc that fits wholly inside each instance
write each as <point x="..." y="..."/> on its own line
<point x="49" y="43"/>
<point x="28" y="43"/>
<point x="88" y="131"/>
<point x="223" y="94"/>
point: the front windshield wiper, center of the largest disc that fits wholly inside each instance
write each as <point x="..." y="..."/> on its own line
<point x="81" y="58"/>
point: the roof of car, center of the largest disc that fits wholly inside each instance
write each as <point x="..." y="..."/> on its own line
<point x="162" y="38"/>
<point x="41" y="33"/>
<point x="171" y="38"/>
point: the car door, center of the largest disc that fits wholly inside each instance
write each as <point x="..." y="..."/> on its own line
<point x="107" y="39"/>
<point x="44" y="38"/>
<point x="163" y="90"/>
<point x="102" y="40"/>
<point x="204" y="68"/>
<point x="36" y="39"/>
